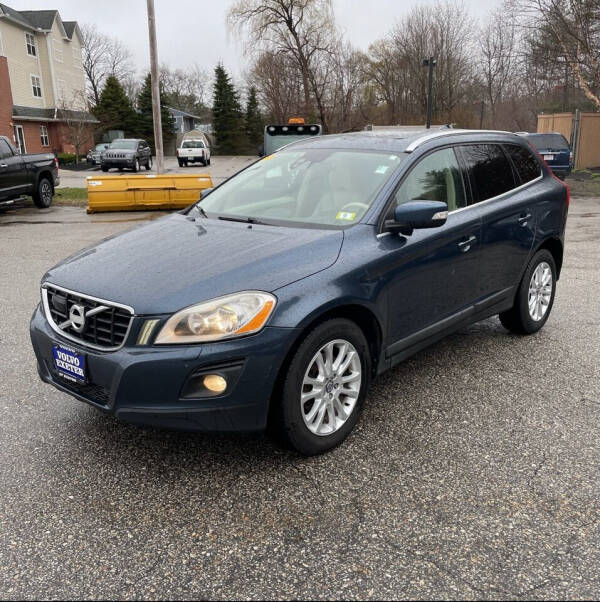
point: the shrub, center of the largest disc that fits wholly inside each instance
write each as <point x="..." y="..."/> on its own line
<point x="66" y="158"/>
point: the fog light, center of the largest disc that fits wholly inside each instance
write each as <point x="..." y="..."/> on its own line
<point x="215" y="383"/>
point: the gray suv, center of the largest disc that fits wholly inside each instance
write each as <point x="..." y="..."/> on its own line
<point x="131" y="153"/>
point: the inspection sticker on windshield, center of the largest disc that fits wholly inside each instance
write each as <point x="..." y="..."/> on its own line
<point x="382" y="168"/>
<point x="345" y="215"/>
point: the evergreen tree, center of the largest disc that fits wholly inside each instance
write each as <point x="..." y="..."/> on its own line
<point x="114" y="109"/>
<point x="228" y="120"/>
<point x="145" y="119"/>
<point x="254" y="120"/>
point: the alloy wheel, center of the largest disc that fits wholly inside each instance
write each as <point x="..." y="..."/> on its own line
<point x="331" y="387"/>
<point x="46" y="192"/>
<point x="540" y="291"/>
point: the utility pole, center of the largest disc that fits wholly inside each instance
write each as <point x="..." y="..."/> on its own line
<point x="156" y="116"/>
<point x="430" y="62"/>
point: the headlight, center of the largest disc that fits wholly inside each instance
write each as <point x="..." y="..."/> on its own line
<point x="222" y="318"/>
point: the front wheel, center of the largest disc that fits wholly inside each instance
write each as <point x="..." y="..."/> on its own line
<point x="42" y="197"/>
<point x="136" y="165"/>
<point x="325" y="387"/>
<point x="535" y="296"/>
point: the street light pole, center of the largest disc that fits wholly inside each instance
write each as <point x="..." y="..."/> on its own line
<point x="156" y="115"/>
<point x="430" y="62"/>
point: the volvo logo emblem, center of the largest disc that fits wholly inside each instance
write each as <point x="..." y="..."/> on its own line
<point x="77" y="318"/>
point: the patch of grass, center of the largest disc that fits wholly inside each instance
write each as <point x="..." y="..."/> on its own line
<point x="75" y="197"/>
<point x="584" y="187"/>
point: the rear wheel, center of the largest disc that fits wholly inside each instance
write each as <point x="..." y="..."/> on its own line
<point x="136" y="165"/>
<point x="149" y="164"/>
<point x="104" y="168"/>
<point x="42" y="197"/>
<point x="325" y="387"/>
<point x="535" y="296"/>
<point x="180" y="161"/>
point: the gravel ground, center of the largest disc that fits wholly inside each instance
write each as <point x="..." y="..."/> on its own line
<point x="473" y="473"/>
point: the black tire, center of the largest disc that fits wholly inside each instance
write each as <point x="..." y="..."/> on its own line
<point x="42" y="197"/>
<point x="208" y="161"/>
<point x="518" y="318"/>
<point x="149" y="164"/>
<point x="180" y="162"/>
<point x="104" y="168"/>
<point x="136" y="166"/>
<point x="186" y="162"/>
<point x="288" y="422"/>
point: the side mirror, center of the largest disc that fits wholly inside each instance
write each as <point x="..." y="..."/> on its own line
<point x="204" y="192"/>
<point x="416" y="215"/>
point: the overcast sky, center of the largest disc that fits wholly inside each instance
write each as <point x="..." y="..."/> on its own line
<point x="193" y="31"/>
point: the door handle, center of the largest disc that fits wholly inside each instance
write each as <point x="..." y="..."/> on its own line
<point x="523" y="219"/>
<point x="465" y="245"/>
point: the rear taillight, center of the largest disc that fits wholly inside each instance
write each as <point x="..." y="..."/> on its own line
<point x="56" y="162"/>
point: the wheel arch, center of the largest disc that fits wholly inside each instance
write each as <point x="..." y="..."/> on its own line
<point x="555" y="246"/>
<point x="360" y="314"/>
<point x="45" y="173"/>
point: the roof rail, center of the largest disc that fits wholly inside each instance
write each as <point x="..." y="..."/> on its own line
<point x="446" y="132"/>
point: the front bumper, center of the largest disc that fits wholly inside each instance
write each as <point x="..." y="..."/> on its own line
<point x="143" y="385"/>
<point x="120" y="162"/>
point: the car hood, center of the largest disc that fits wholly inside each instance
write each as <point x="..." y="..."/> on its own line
<point x="177" y="261"/>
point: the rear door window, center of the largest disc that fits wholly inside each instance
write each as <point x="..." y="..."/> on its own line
<point x="525" y="163"/>
<point x="5" y="151"/>
<point x="490" y="171"/>
<point x="436" y="177"/>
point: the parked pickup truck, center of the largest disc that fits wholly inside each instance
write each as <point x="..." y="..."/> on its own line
<point x="192" y="151"/>
<point x="26" y="175"/>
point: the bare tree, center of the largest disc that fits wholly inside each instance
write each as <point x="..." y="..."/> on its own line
<point x="279" y="85"/>
<point x="185" y="88"/>
<point x="78" y="130"/>
<point x="573" y="26"/>
<point x="103" y="56"/>
<point x="302" y="29"/>
<point x="497" y="62"/>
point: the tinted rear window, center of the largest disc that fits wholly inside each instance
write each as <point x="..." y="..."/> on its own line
<point x="525" y="163"/>
<point x="544" y="141"/>
<point x="5" y="151"/>
<point x="490" y="171"/>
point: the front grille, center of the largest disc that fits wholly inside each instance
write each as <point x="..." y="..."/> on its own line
<point x="94" y="393"/>
<point x="106" y="329"/>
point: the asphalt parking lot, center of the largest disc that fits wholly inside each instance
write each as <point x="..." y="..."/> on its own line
<point x="474" y="472"/>
<point x="221" y="168"/>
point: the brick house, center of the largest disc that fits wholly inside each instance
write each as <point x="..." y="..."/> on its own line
<point x="42" y="83"/>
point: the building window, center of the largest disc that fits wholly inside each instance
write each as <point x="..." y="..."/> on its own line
<point x="58" y="51"/>
<point x="36" y="86"/>
<point x="44" y="135"/>
<point x="31" y="45"/>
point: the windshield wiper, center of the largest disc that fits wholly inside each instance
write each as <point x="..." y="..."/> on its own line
<point x="244" y="220"/>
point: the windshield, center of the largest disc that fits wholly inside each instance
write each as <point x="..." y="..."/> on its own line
<point x="128" y="144"/>
<point x="317" y="186"/>
<point x="545" y="141"/>
<point x="193" y="144"/>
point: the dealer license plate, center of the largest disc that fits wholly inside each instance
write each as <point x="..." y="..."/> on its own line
<point x="69" y="364"/>
<point x="548" y="157"/>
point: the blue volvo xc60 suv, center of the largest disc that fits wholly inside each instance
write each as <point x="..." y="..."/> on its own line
<point x="276" y="300"/>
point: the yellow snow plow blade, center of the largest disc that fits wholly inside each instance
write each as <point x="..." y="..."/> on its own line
<point x="145" y="192"/>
